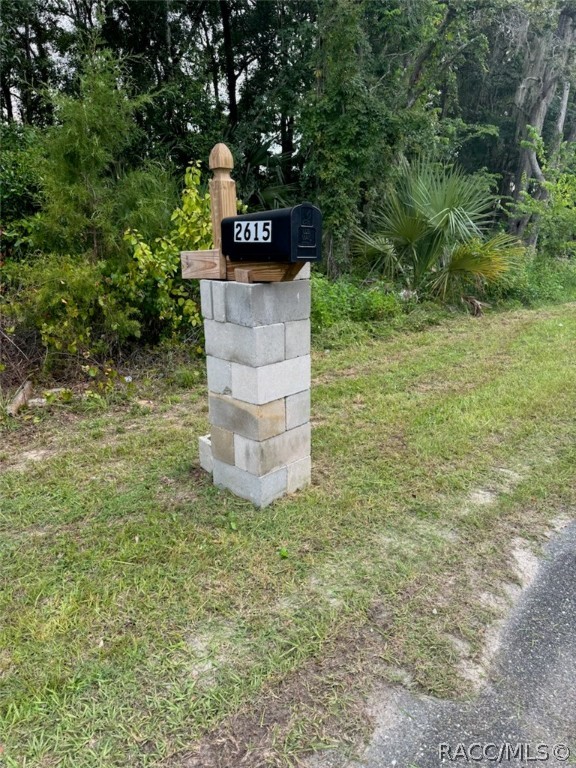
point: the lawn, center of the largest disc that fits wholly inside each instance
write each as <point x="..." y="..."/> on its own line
<point x="149" y="619"/>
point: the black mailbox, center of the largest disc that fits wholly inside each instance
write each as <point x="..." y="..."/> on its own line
<point x="285" y="235"/>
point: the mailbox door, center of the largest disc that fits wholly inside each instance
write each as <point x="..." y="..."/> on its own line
<point x="306" y="233"/>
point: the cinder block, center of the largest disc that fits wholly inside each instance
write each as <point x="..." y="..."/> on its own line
<point x="297" y="338"/>
<point x="257" y="422"/>
<point x="219" y="373"/>
<point x="270" y="382"/>
<point x="260" y="458"/>
<point x="298" y="409"/>
<point x="206" y="299"/>
<point x="252" y="304"/>
<point x="219" y="290"/>
<point x="299" y="474"/>
<point x="259" y="490"/>
<point x="260" y="345"/>
<point x="222" y="441"/>
<point x="205" y="451"/>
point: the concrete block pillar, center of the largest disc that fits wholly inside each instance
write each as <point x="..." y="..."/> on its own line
<point x="258" y="365"/>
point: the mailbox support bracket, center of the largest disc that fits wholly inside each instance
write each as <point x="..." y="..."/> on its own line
<point x="257" y="272"/>
<point x="212" y="265"/>
<point x="203" y="265"/>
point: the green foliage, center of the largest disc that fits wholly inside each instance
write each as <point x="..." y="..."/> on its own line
<point x="69" y="304"/>
<point x="108" y="278"/>
<point x="551" y="204"/>
<point x="338" y="300"/>
<point x="92" y="187"/>
<point x="345" y="313"/>
<point x="476" y="260"/>
<point x="80" y="308"/>
<point x="536" y="280"/>
<point x="152" y="282"/>
<point x="184" y="376"/>
<point x="18" y="172"/>
<point x="429" y="230"/>
<point x="19" y="186"/>
<point x="342" y="124"/>
<point x="558" y="218"/>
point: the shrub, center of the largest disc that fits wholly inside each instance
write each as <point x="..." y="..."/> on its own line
<point x="344" y="300"/>
<point x="166" y="303"/>
<point x="18" y="172"/>
<point x="430" y="231"/>
<point x="535" y="281"/>
<point x="69" y="304"/>
<point x="345" y="313"/>
<point x="79" y="307"/>
<point x="19" y="180"/>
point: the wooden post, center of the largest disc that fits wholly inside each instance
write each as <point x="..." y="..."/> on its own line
<point x="222" y="189"/>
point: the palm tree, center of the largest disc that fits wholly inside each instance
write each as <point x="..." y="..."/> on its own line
<point x="430" y="230"/>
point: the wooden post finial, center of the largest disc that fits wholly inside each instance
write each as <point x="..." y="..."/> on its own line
<point x="220" y="158"/>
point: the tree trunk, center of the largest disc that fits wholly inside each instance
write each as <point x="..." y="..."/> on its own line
<point x="7" y="98"/>
<point x="229" y="63"/>
<point x="213" y="68"/>
<point x="546" y="65"/>
<point x="25" y="85"/>
<point x="560" y="122"/>
<point x="416" y="74"/>
<point x="287" y="144"/>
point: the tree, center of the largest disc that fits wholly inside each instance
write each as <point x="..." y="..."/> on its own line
<point x="342" y="125"/>
<point x="28" y="38"/>
<point x="524" y="88"/>
<point x="91" y="188"/>
<point x="548" y="65"/>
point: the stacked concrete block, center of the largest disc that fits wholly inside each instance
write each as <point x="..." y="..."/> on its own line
<point x="258" y="364"/>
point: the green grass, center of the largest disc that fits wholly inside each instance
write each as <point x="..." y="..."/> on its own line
<point x="144" y="611"/>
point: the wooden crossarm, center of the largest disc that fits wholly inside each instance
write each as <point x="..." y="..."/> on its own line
<point x="203" y="265"/>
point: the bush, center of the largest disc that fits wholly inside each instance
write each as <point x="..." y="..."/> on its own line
<point x="536" y="280"/>
<point x="166" y="303"/>
<point x="81" y="307"/>
<point x="431" y="232"/>
<point x="19" y="184"/>
<point x="344" y="300"/>
<point x="346" y="312"/>
<point x="18" y="171"/>
<point x="70" y="306"/>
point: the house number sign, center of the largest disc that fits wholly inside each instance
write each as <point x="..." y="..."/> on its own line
<point x="252" y="231"/>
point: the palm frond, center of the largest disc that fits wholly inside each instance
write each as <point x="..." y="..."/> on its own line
<point x="433" y="211"/>
<point x="486" y="260"/>
<point x="378" y="249"/>
<point x="449" y="199"/>
<point x="400" y="224"/>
